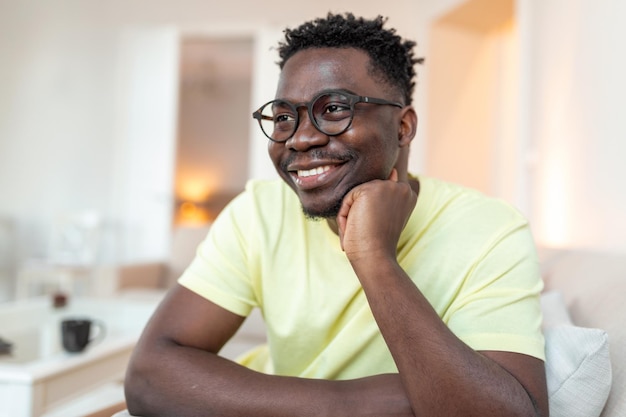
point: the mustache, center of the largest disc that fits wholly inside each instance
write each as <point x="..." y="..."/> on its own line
<point x="316" y="154"/>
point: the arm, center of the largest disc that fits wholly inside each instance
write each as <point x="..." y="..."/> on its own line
<point x="175" y="370"/>
<point x="442" y="375"/>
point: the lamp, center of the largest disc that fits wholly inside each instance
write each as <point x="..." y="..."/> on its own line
<point x="192" y="213"/>
<point x="200" y="212"/>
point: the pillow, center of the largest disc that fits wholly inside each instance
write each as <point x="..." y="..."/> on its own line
<point x="578" y="365"/>
<point x="554" y="310"/>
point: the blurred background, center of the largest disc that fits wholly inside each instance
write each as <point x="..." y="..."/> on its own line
<point x="124" y="122"/>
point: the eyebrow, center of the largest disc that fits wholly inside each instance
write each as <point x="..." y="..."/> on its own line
<point x="318" y="93"/>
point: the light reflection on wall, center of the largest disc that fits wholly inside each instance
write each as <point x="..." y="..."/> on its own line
<point x="556" y="138"/>
<point x="554" y="208"/>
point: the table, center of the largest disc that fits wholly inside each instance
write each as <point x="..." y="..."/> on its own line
<point x="39" y="375"/>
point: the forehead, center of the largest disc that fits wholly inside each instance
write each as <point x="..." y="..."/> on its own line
<point x="313" y="70"/>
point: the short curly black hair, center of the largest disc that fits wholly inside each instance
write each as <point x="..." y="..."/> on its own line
<point x="391" y="57"/>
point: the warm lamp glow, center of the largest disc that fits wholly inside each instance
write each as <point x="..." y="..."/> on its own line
<point x="189" y="210"/>
<point x="199" y="199"/>
<point x="191" y="213"/>
<point x="193" y="202"/>
<point x="195" y="187"/>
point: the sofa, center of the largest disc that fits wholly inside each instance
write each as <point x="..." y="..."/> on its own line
<point x="583" y="308"/>
<point x="589" y="284"/>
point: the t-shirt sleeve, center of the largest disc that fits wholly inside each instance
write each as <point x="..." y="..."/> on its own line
<point x="220" y="270"/>
<point x="498" y="307"/>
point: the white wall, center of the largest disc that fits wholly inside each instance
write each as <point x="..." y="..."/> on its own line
<point x="264" y="81"/>
<point x="571" y="133"/>
<point x="577" y="123"/>
<point x="56" y="90"/>
<point x="144" y="141"/>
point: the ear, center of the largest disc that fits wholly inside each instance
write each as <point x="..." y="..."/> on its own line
<point x="408" y="126"/>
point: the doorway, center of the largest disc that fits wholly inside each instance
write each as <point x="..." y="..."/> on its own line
<point x="473" y="127"/>
<point x="213" y="125"/>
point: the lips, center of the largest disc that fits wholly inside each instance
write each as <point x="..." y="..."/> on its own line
<point x="316" y="177"/>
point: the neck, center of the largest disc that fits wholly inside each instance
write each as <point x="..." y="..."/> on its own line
<point x="332" y="223"/>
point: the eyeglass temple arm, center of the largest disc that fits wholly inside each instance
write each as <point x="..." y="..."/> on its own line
<point x="259" y="116"/>
<point x="365" y="99"/>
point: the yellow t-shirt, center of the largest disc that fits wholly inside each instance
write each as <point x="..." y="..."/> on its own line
<point x="473" y="258"/>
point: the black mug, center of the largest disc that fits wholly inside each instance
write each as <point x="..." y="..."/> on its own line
<point x="76" y="333"/>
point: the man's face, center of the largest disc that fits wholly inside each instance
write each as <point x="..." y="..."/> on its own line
<point x="322" y="169"/>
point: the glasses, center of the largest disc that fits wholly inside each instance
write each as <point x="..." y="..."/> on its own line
<point x="331" y="112"/>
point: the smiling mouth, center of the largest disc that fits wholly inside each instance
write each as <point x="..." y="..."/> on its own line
<point x="303" y="173"/>
<point x="316" y="177"/>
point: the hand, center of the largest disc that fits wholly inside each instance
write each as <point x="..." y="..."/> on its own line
<point x="372" y="216"/>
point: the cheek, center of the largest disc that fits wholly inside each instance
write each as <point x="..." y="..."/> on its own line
<point x="382" y="150"/>
<point x="388" y="146"/>
<point x="276" y="152"/>
<point x="388" y="158"/>
<point x="273" y="151"/>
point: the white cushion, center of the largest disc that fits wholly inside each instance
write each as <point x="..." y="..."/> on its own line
<point x="578" y="366"/>
<point x="554" y="310"/>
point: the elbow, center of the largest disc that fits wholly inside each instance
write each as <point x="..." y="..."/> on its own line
<point x="137" y="390"/>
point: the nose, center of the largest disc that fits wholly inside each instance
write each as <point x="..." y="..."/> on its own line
<point x="306" y="135"/>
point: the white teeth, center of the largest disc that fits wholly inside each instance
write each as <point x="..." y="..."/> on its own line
<point x="314" y="171"/>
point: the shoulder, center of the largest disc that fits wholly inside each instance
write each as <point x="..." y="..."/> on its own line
<point x="268" y="191"/>
<point x="466" y="222"/>
<point x="264" y="207"/>
<point x="263" y="195"/>
<point x="453" y="201"/>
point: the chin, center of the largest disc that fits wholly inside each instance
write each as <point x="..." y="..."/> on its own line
<point x="328" y="211"/>
<point x="321" y="208"/>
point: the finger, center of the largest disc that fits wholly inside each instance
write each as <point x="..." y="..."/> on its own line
<point x="342" y="216"/>
<point x="341" y="224"/>
<point x="394" y="175"/>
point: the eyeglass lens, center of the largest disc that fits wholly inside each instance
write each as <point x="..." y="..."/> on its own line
<point x="331" y="114"/>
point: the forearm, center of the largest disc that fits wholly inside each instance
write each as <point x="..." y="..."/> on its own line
<point x="442" y="375"/>
<point x="175" y="380"/>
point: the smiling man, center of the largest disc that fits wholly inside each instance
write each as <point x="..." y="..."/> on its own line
<point x="384" y="293"/>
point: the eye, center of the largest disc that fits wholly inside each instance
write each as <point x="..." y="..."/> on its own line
<point x="284" y="121"/>
<point x="280" y="112"/>
<point x="336" y="108"/>
<point x="334" y="112"/>
<point x="332" y="107"/>
<point x="283" y="117"/>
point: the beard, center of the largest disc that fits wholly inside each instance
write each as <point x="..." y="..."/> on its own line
<point x="329" y="212"/>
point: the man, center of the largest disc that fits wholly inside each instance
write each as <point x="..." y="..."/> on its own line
<point x="412" y="297"/>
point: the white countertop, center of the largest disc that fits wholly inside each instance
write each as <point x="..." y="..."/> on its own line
<point x="33" y="326"/>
